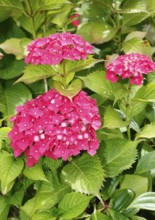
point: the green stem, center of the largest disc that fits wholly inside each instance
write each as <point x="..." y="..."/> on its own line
<point x="128" y="118"/>
<point x="31" y="15"/>
<point x="45" y="85"/>
<point x="64" y="74"/>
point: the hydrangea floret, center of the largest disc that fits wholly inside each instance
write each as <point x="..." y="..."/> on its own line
<point x="52" y="125"/>
<point x="53" y="49"/>
<point x="132" y="66"/>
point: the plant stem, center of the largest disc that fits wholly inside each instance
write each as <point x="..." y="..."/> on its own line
<point x="45" y="85"/>
<point x="30" y="12"/>
<point x="128" y="118"/>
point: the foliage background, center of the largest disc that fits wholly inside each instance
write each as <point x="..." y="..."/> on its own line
<point x="120" y="183"/>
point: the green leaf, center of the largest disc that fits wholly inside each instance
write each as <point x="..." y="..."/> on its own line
<point x="82" y="176"/>
<point x="4" y="15"/>
<point x="145" y="201"/>
<point x="117" y="155"/>
<point x="134" y="7"/>
<point x="112" y="119"/>
<point x="50" y="194"/>
<point x="33" y="73"/>
<point x="131" y="19"/>
<point x="110" y="187"/>
<point x="138" y="184"/>
<point x="43" y="216"/>
<point x="135" y="34"/>
<point x="99" y="216"/>
<point x="121" y="199"/>
<point x="97" y="83"/>
<point x="10" y="67"/>
<point x="28" y="24"/>
<point x="4" y="208"/>
<point x="4" y="133"/>
<point x="137" y="45"/>
<point x="17" y="197"/>
<point x="14" y="96"/>
<point x="148" y="131"/>
<point x="40" y="5"/>
<point x="9" y="170"/>
<point x="138" y="218"/>
<point x="115" y="215"/>
<point x="11" y="4"/>
<point x="73" y="204"/>
<point x="146" y="93"/>
<point x="75" y="66"/>
<point x="146" y="163"/>
<point x="52" y="164"/>
<point x="72" y="89"/>
<point x="13" y="46"/>
<point x="96" y="32"/>
<point x="35" y="173"/>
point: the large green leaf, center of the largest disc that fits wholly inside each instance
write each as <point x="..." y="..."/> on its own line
<point x="73" y="204"/>
<point x="146" y="163"/>
<point x="146" y="93"/>
<point x="30" y="23"/>
<point x="4" y="132"/>
<point x="148" y="131"/>
<point x="10" y="67"/>
<point x="96" y="32"/>
<point x="138" y="218"/>
<point x="137" y="45"/>
<point x="35" y="173"/>
<point x="97" y="9"/>
<point x="4" y="208"/>
<point x="33" y="73"/>
<point x="13" y="46"/>
<point x="112" y="119"/>
<point x="75" y="66"/>
<point x="115" y="215"/>
<point x="97" y="83"/>
<point x="43" y="216"/>
<point x="13" y="96"/>
<point x="134" y="7"/>
<point x="9" y="170"/>
<point x="11" y="4"/>
<point x="50" y="193"/>
<point x="138" y="184"/>
<point x="145" y="201"/>
<point x="82" y="176"/>
<point x="52" y="164"/>
<point x="121" y="199"/>
<point x="99" y="216"/>
<point x="117" y="155"/>
<point x="134" y="18"/>
<point x="40" y="5"/>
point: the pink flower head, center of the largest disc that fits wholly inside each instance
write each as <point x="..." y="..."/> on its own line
<point x="131" y="66"/>
<point x="53" y="49"/>
<point x="74" y="18"/>
<point x="54" y="126"/>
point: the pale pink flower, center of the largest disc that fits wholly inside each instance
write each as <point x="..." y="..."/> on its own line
<point x="54" y="126"/>
<point x="132" y="66"/>
<point x="53" y="49"/>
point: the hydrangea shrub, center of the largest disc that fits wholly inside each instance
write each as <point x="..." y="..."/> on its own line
<point x="77" y="110"/>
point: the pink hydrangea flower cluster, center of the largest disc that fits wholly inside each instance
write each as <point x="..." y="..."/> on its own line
<point x="131" y="66"/>
<point x="53" y="49"/>
<point x="52" y="125"/>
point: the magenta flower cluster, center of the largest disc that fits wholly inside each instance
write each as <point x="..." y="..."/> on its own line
<point x="53" y="49"/>
<point x="132" y="66"/>
<point x="52" y="125"/>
